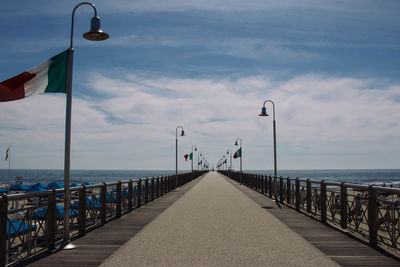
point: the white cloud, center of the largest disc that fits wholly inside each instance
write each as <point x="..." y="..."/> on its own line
<point x="320" y="121"/>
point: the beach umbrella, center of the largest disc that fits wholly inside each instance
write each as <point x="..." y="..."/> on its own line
<point x="19" y="187"/>
<point x="88" y="183"/>
<point x="74" y="185"/>
<point x="42" y="213"/>
<point x="37" y="189"/>
<point x="3" y="190"/>
<point x="39" y="185"/>
<point x="56" y="185"/>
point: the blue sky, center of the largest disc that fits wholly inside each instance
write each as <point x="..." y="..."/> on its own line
<point x="332" y="68"/>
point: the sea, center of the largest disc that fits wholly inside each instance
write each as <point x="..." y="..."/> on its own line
<point x="366" y="176"/>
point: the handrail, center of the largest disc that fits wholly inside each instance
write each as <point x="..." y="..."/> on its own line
<point x="34" y="217"/>
<point x="365" y="211"/>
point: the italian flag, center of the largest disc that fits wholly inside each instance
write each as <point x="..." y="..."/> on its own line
<point x="48" y="77"/>
<point x="238" y="153"/>
<point x="191" y="156"/>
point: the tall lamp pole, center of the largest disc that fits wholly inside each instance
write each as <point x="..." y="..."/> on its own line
<point x="230" y="153"/>
<point x="264" y="114"/>
<point x="176" y="153"/>
<point x="94" y="34"/>
<point x="195" y="149"/>
<point x="241" y="156"/>
<point x="198" y="160"/>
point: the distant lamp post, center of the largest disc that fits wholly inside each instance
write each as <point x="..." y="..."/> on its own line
<point x="195" y="149"/>
<point x="241" y="156"/>
<point x="176" y="153"/>
<point x="94" y="34"/>
<point x="264" y="114"/>
<point x="198" y="160"/>
<point x="229" y="152"/>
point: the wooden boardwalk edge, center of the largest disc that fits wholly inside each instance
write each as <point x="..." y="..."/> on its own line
<point x="340" y="247"/>
<point x="96" y="246"/>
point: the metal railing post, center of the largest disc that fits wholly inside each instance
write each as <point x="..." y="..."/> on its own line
<point x="3" y="229"/>
<point x="146" y="190"/>
<point x="119" y="199"/>
<point x="139" y="194"/>
<point x="103" y="203"/>
<point x="373" y="218"/>
<point x="297" y="183"/>
<point x="130" y="194"/>
<point x="308" y="196"/>
<point x="152" y="188"/>
<point x="82" y="211"/>
<point x="343" y="206"/>
<point x="323" y="201"/>
<point x="281" y="188"/>
<point x="270" y="189"/>
<point x="288" y="193"/>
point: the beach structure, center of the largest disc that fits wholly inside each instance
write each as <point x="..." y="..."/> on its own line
<point x="215" y="220"/>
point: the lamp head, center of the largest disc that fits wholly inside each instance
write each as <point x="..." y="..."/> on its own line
<point x="95" y="33"/>
<point x="263" y="112"/>
<point x="236" y="143"/>
<point x="183" y="133"/>
<point x="195" y="148"/>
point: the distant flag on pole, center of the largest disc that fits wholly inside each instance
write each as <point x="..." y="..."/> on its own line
<point x="186" y="157"/>
<point x="8" y="149"/>
<point x="48" y="77"/>
<point x="238" y="153"/>
<point x="191" y="156"/>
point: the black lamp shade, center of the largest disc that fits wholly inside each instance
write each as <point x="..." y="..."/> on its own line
<point x="95" y="33"/>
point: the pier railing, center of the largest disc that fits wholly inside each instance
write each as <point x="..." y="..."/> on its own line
<point x="32" y="223"/>
<point x="369" y="212"/>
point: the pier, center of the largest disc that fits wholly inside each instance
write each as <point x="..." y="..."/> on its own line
<point x="216" y="220"/>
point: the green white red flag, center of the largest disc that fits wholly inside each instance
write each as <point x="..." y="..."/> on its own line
<point x="48" y="77"/>
<point x="191" y="156"/>
<point x="238" y="153"/>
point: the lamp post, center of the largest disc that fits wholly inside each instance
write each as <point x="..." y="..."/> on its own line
<point x="195" y="149"/>
<point x="198" y="160"/>
<point x="176" y="154"/>
<point x="264" y="114"/>
<point x="229" y="151"/>
<point x="241" y="155"/>
<point x="94" y="34"/>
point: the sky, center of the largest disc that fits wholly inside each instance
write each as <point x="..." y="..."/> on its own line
<point x="331" y="67"/>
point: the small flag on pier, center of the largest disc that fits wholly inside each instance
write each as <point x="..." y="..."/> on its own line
<point x="191" y="156"/>
<point x="186" y="157"/>
<point x="48" y="77"/>
<point x="8" y="149"/>
<point x="238" y="153"/>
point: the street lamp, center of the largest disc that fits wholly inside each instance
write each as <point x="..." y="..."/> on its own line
<point x="176" y="154"/>
<point x="264" y="114"/>
<point x="94" y="34"/>
<point x="195" y="149"/>
<point x="229" y="151"/>
<point x="241" y="155"/>
<point x="198" y="160"/>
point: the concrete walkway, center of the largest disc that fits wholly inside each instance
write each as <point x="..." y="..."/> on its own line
<point x="215" y="224"/>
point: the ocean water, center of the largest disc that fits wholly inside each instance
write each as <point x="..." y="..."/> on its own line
<point x="381" y="176"/>
<point x="369" y="176"/>
<point x="78" y="176"/>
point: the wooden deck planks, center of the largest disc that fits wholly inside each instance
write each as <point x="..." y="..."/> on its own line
<point x="341" y="248"/>
<point x="97" y="245"/>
